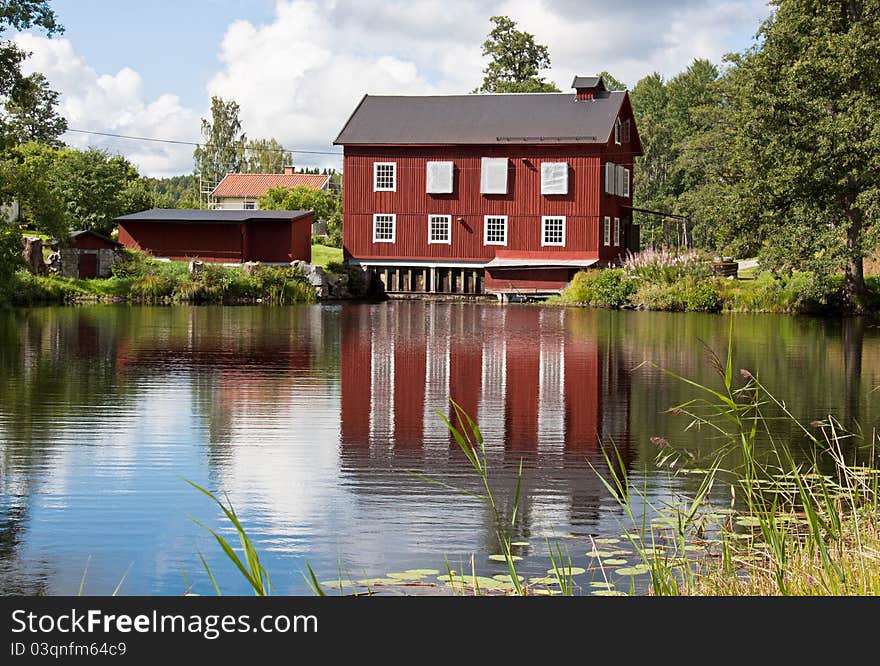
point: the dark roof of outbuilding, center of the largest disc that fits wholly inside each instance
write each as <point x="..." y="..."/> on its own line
<point x="89" y="232"/>
<point x="588" y="82"/>
<point x="211" y="216"/>
<point x="532" y="118"/>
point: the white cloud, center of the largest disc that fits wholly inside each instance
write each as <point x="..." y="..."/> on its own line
<point x="300" y="75"/>
<point x="116" y="104"/>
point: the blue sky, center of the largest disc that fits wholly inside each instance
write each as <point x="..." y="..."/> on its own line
<point x="174" y="45"/>
<point x="299" y="67"/>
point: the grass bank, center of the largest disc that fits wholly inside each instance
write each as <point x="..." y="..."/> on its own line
<point x="141" y="279"/>
<point x="659" y="280"/>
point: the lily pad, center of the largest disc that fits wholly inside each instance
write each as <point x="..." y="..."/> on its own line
<point x="607" y="540"/>
<point x="506" y="578"/>
<point x="601" y="584"/>
<point x="469" y="582"/>
<point x="545" y="592"/>
<point x="602" y="553"/>
<point x="520" y="544"/>
<point x="609" y="593"/>
<point x="413" y="574"/>
<point x="372" y="582"/>
<point x="565" y="571"/>
<point x="503" y="558"/>
<point x="637" y="570"/>
<point x="614" y="561"/>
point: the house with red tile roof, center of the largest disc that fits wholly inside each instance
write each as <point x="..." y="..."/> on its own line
<point x="241" y="191"/>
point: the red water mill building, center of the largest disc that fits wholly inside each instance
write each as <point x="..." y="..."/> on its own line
<point x="506" y="194"/>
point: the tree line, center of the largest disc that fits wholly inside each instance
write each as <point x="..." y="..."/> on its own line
<point x="773" y="152"/>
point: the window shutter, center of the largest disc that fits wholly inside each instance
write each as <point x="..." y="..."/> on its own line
<point x="626" y="182"/>
<point x="493" y="175"/>
<point x="616" y="231"/>
<point x="439" y="178"/>
<point x="554" y="178"/>
<point x="617" y="131"/>
<point x="609" y="178"/>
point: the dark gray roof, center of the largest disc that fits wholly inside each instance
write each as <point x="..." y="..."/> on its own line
<point x="588" y="82"/>
<point x="211" y="216"/>
<point x="89" y="232"/>
<point x="482" y="119"/>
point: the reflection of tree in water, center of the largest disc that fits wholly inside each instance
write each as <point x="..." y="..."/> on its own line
<point x="62" y="369"/>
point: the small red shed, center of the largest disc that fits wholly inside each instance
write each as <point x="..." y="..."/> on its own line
<point x="87" y="254"/>
<point x="226" y="236"/>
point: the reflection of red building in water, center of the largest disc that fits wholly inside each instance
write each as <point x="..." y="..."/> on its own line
<point x="518" y="372"/>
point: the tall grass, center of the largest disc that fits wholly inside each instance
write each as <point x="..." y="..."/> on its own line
<point x="792" y="527"/>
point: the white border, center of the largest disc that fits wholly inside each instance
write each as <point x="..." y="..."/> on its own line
<point x="486" y="229"/>
<point x="393" y="217"/>
<point x="448" y="219"/>
<point x="544" y="219"/>
<point x="376" y="166"/>
<point x="606" y="236"/>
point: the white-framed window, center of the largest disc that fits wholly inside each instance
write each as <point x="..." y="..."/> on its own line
<point x="609" y="177"/>
<point x="384" y="228"/>
<point x="627" y="131"/>
<point x="617" y="131"/>
<point x="616" y="232"/>
<point x="553" y="230"/>
<point x="626" y="177"/>
<point x="495" y="230"/>
<point x="440" y="229"/>
<point x="493" y="175"/>
<point x="554" y="177"/>
<point x="250" y="205"/>
<point x="439" y="177"/>
<point x="607" y="232"/>
<point x="385" y="176"/>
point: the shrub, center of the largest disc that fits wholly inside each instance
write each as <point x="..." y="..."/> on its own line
<point x="612" y="288"/>
<point x="702" y="296"/>
<point x="650" y="296"/>
<point x="131" y="264"/>
<point x="153" y="288"/>
<point x="357" y="285"/>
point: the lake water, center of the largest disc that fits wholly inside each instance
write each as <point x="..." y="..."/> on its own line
<point x="311" y="418"/>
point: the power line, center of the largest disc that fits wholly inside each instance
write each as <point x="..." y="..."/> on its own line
<point x="193" y="143"/>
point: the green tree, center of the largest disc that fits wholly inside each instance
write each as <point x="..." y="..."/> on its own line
<point x="25" y="178"/>
<point x="222" y="142"/>
<point x="515" y="61"/>
<point x="808" y="113"/>
<point x="611" y="82"/>
<point x="65" y="189"/>
<point x="140" y="195"/>
<point x="327" y="206"/>
<point x="265" y="156"/>
<point x="30" y="114"/>
<point x="21" y="15"/>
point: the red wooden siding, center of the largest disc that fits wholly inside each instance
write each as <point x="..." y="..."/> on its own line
<point x="256" y="240"/>
<point x="546" y="279"/>
<point x="210" y="242"/>
<point x="524" y="204"/>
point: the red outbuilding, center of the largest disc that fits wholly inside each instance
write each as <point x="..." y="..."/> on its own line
<point x="228" y="236"/>
<point x="497" y="193"/>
